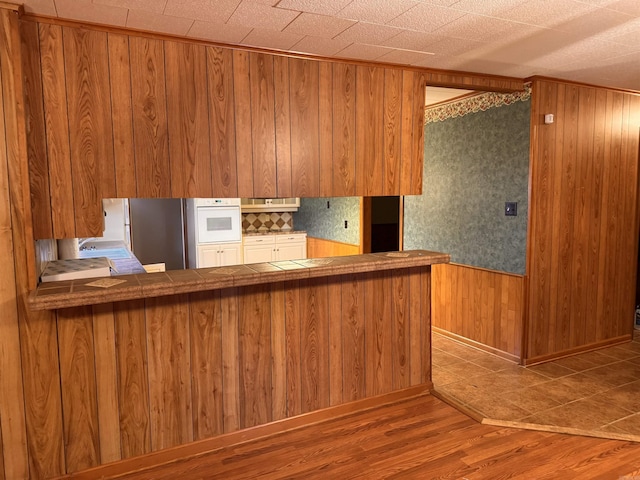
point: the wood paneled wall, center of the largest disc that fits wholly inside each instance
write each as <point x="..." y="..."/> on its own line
<point x="320" y="247"/>
<point x="17" y="254"/>
<point x="483" y="306"/>
<point x="133" y="377"/>
<point x="583" y="235"/>
<point x="116" y="115"/>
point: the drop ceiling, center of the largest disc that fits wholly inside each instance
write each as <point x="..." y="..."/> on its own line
<point x="591" y="41"/>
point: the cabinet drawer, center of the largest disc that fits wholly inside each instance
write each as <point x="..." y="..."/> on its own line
<point x="292" y="238"/>
<point x="259" y="240"/>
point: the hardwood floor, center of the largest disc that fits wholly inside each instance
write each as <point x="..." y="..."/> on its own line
<point x="418" y="438"/>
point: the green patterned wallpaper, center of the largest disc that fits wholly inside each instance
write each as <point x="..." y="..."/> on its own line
<point x="474" y="164"/>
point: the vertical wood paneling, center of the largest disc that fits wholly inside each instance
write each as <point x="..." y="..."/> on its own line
<point x="336" y="363"/>
<point x="417" y="139"/>
<point x="168" y="347"/>
<point x="416" y="327"/>
<point x="314" y="337"/>
<point x="205" y="323"/>
<point x="293" y="341"/>
<point x="188" y="118"/>
<point x="91" y="138"/>
<point x="584" y="172"/>
<point x="344" y="126"/>
<point x="497" y="322"/>
<point x="42" y="393"/>
<point x="278" y="352"/>
<point x="282" y="125"/>
<point x="254" y="339"/>
<point x="305" y="142"/>
<point x="369" y="130"/>
<point x="400" y="330"/>
<point x="13" y="430"/>
<point x="406" y="144"/>
<point x="581" y="245"/>
<point x="392" y="133"/>
<point x="133" y="380"/>
<point x="149" y="117"/>
<point x="242" y="104"/>
<point x="222" y="124"/>
<point x="353" y="328"/>
<point x="378" y="337"/>
<point x="326" y="120"/>
<point x="57" y="130"/>
<point x="104" y="340"/>
<point x="230" y="363"/>
<point x="36" y="144"/>
<point x="122" y="115"/>
<point x="263" y="124"/>
<point x="79" y="392"/>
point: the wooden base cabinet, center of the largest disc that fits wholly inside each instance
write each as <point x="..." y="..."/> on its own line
<point x="272" y="248"/>
<point x="219" y="255"/>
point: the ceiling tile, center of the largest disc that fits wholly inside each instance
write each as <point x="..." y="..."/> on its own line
<point x="146" y="5"/>
<point x="318" y="25"/>
<point x="631" y="7"/>
<point x="85" y="11"/>
<point x="410" y="40"/>
<point x="256" y="15"/>
<point x="271" y="39"/>
<point x="320" y="46"/>
<point x="487" y="7"/>
<point x="323" y="7"/>
<point x="369" y="33"/>
<point x="158" y="23"/>
<point x="443" y="62"/>
<point x="363" y="52"/>
<point x="375" y="11"/>
<point x="602" y="21"/>
<point x="454" y="46"/>
<point x="442" y="3"/>
<point x="404" y="57"/>
<point x="483" y="29"/>
<point x="217" y="11"/>
<point x="425" y="18"/>
<point x="41" y="7"/>
<point x="217" y="32"/>
<point x="547" y="13"/>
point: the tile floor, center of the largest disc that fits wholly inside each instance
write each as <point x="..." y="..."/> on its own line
<point x="595" y="393"/>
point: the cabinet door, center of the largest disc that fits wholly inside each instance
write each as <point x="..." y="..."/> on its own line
<point x="208" y="256"/>
<point x="291" y="251"/>
<point x="230" y="254"/>
<point x="259" y="253"/>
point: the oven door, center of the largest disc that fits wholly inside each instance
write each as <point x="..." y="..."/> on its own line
<point x="218" y="224"/>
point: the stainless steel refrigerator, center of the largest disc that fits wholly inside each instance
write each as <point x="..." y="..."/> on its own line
<point x="157" y="231"/>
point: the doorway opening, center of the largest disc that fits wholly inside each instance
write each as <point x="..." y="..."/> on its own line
<point x="381" y="224"/>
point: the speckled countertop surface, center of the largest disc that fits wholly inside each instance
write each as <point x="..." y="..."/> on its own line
<point x="90" y="291"/>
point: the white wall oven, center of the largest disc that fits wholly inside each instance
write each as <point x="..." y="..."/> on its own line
<point x="213" y="225"/>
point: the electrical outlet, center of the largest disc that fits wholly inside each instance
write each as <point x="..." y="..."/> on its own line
<point x="511" y="209"/>
<point x="346" y="224"/>
<point x="328" y="204"/>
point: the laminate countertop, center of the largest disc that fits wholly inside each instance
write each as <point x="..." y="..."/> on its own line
<point x="90" y="291"/>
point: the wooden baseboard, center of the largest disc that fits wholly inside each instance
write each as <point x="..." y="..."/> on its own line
<point x="574" y="351"/>
<point x="478" y="345"/>
<point x="203" y="447"/>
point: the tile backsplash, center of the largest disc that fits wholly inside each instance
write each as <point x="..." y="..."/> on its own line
<point x="267" y="222"/>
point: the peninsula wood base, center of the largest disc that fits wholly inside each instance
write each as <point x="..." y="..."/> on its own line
<point x="202" y="447"/>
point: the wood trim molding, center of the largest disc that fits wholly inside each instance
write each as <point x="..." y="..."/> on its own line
<point x="12" y="6"/>
<point x="574" y="351"/>
<point x="579" y="84"/>
<point x="195" y="449"/>
<point x="478" y="345"/>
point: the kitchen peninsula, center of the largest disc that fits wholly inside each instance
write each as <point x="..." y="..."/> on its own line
<point x="190" y="354"/>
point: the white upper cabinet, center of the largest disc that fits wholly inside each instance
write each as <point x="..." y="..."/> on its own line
<point x="252" y="205"/>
